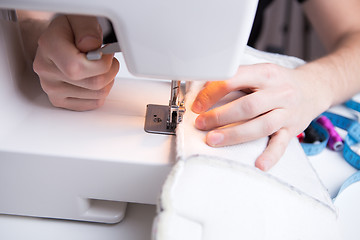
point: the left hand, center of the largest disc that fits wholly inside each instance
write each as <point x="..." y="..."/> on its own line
<point x="281" y="104"/>
<point x="69" y="79"/>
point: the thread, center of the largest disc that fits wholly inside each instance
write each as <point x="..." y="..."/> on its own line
<point x="301" y="137"/>
<point x="312" y="136"/>
<point x="335" y="141"/>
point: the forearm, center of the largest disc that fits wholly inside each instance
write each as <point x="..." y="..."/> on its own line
<point x="32" y="25"/>
<point x="336" y="77"/>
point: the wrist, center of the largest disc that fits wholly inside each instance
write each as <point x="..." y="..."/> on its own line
<point x="31" y="30"/>
<point x="315" y="85"/>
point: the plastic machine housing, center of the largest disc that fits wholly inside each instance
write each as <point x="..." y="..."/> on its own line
<point x="85" y="165"/>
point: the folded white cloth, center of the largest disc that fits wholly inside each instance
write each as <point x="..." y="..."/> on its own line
<point x="217" y="193"/>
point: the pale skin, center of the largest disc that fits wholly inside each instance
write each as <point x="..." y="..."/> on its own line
<point x="66" y="76"/>
<point x="281" y="102"/>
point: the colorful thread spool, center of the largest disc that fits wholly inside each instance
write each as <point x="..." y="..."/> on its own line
<point x="312" y="136"/>
<point x="335" y="141"/>
<point x="352" y="138"/>
<point x="301" y="137"/>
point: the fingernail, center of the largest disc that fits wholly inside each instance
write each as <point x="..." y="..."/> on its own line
<point x="200" y="123"/>
<point x="197" y="107"/>
<point x="214" y="138"/>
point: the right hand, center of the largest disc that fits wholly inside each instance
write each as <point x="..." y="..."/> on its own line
<point x="67" y="77"/>
<point x="280" y="103"/>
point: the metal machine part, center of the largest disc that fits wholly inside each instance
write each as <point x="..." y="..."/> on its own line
<point x="160" y="119"/>
<point x="110" y="48"/>
<point x="163" y="119"/>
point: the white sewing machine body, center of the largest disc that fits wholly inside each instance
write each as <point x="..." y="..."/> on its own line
<point x="64" y="164"/>
<point x="179" y="40"/>
<point x="86" y="166"/>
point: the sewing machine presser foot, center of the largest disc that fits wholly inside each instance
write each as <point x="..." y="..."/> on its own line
<point x="163" y="119"/>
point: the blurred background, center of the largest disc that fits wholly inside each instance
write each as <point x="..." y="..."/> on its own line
<point x="286" y="30"/>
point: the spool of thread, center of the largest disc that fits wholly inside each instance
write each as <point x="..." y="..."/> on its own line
<point x="312" y="136"/>
<point x="335" y="141"/>
<point x="301" y="137"/>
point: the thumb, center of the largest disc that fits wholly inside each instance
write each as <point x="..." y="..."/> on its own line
<point x="87" y="32"/>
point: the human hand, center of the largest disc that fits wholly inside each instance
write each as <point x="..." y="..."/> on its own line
<point x="281" y="104"/>
<point x="67" y="77"/>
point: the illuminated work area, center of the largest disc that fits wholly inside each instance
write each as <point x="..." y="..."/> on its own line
<point x="178" y="120"/>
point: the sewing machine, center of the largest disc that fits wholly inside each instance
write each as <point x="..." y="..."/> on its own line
<point x="86" y="166"/>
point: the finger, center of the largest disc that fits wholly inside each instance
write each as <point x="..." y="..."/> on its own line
<point x="87" y="32"/>
<point x="77" y="104"/>
<point x="274" y="151"/>
<point x="244" y="108"/>
<point x="259" y="127"/>
<point x="99" y="81"/>
<point x="44" y="67"/>
<point x="58" y="46"/>
<point x="62" y="90"/>
<point x="207" y="97"/>
<point x="48" y="72"/>
<point x="255" y="76"/>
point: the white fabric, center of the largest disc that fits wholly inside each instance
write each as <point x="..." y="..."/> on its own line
<point x="209" y="198"/>
<point x="190" y="141"/>
<point x="217" y="193"/>
<point x="347" y="201"/>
